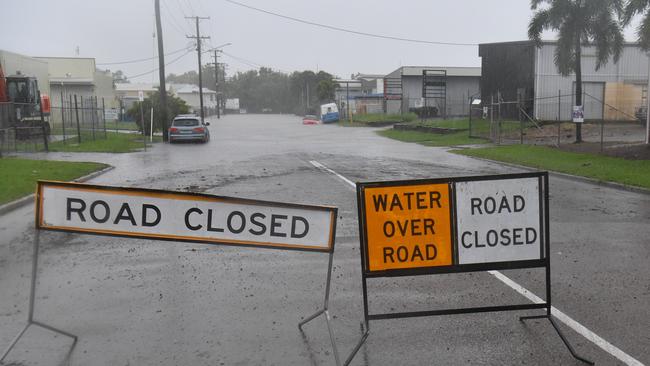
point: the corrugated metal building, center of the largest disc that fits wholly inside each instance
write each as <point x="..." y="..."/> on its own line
<point x="521" y="71"/>
<point x="460" y="83"/>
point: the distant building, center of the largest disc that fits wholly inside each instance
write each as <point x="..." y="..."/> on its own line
<point x="190" y="94"/>
<point x="520" y="71"/>
<point x="447" y="89"/>
<point x="14" y="63"/>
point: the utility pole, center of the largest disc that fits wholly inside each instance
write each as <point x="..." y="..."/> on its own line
<point x="216" y="80"/>
<point x="198" y="39"/>
<point x="161" y="74"/>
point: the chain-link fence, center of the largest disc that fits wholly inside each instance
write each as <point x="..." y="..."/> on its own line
<point x="605" y="124"/>
<point x="77" y="119"/>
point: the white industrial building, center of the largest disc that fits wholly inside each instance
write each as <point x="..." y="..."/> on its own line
<point x="449" y="88"/>
<point x="522" y="71"/>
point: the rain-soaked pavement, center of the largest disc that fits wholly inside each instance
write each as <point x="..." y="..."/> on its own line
<point x="143" y="302"/>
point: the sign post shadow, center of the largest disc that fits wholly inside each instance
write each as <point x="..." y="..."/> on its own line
<point x="468" y="191"/>
<point x="32" y="299"/>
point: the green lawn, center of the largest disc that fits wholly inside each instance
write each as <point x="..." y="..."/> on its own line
<point x="114" y="143"/>
<point x="378" y="118"/>
<point x="602" y="168"/>
<point x="18" y="176"/>
<point x="431" y="139"/>
<point x="129" y="126"/>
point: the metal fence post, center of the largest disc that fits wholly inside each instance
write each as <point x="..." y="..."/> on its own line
<point x="63" y="116"/>
<point x="559" y="102"/>
<point x="470" y="117"/>
<point x="43" y="129"/>
<point x="76" y="111"/>
<point x="93" y="115"/>
<point x="104" y="117"/>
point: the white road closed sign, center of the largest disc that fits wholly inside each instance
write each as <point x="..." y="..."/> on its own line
<point x="181" y="216"/>
<point x="498" y="220"/>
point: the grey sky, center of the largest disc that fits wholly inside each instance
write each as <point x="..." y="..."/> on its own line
<point x="121" y="30"/>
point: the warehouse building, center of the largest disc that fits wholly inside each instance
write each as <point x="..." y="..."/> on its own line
<point x="522" y="73"/>
<point x="447" y="89"/>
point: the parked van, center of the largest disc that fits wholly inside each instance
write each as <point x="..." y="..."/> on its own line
<point x="329" y="113"/>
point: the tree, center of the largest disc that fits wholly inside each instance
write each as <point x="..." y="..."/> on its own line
<point x="175" y="106"/>
<point x="119" y="77"/>
<point x="632" y="8"/>
<point x="579" y="22"/>
<point x="325" y="90"/>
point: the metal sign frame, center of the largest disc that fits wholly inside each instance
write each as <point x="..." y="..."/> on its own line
<point x="324" y="310"/>
<point x="542" y="262"/>
<point x="434" y="86"/>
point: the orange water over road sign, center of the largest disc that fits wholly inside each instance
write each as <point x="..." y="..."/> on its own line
<point x="408" y="226"/>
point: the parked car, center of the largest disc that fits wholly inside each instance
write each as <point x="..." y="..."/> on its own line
<point x="188" y="128"/>
<point x="310" y="119"/>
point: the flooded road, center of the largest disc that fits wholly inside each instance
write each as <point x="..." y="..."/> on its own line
<point x="144" y="302"/>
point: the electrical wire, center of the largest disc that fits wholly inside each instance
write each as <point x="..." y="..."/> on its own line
<point x="173" y="22"/>
<point x="156" y="69"/>
<point x="140" y="60"/>
<point x="366" y="34"/>
<point x="252" y="63"/>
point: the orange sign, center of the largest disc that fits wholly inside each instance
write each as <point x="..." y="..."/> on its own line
<point x="408" y="226"/>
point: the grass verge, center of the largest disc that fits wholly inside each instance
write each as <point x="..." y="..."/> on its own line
<point x="378" y="119"/>
<point x="432" y="139"/>
<point x="113" y="143"/>
<point x="602" y="168"/>
<point x="18" y="176"/>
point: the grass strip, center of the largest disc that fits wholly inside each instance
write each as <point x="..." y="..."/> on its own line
<point x="602" y="168"/>
<point x="18" y="176"/>
<point x="113" y="143"/>
<point x="431" y="139"/>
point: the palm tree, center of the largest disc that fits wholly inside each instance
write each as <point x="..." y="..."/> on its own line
<point x="632" y="8"/>
<point x="579" y="22"/>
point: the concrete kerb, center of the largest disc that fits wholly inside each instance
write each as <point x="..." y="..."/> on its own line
<point x="572" y="177"/>
<point x="8" y="207"/>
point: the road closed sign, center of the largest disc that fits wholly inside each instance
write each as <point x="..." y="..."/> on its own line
<point x="498" y="220"/>
<point x="168" y="215"/>
<point x="408" y="226"/>
<point x="441" y="225"/>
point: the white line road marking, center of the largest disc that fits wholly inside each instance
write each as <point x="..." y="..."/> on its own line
<point x="567" y="320"/>
<point x="323" y="167"/>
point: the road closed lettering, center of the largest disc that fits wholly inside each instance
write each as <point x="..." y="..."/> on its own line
<point x="498" y="220"/>
<point x="408" y="226"/>
<point x="182" y="216"/>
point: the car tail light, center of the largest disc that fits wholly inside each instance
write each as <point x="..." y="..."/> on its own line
<point x="198" y="129"/>
<point x="173" y="129"/>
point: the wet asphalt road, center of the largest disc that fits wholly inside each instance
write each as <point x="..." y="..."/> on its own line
<point x="140" y="302"/>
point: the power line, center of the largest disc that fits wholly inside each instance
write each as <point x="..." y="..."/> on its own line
<point x="156" y="69"/>
<point x="252" y="63"/>
<point x="173" y="22"/>
<point x="142" y="59"/>
<point x="331" y="27"/>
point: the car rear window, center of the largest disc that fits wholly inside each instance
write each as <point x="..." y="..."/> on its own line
<point x="186" y="122"/>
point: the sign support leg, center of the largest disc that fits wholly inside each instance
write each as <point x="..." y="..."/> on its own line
<point x="32" y="300"/>
<point x="325" y="310"/>
<point x="366" y="323"/>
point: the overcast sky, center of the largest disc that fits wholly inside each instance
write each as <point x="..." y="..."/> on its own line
<point x="121" y="30"/>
